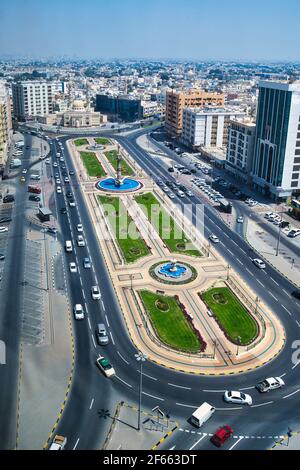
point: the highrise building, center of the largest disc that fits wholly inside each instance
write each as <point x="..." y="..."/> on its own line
<point x="176" y="102"/>
<point x="123" y="107"/>
<point x="5" y="125"/>
<point x="33" y="98"/>
<point x="240" y="148"/>
<point x="207" y="127"/>
<point x="276" y="162"/>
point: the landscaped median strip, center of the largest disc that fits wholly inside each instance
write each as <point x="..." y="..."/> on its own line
<point x="92" y="164"/>
<point x="80" y="142"/>
<point x="111" y="156"/>
<point x="165" y="225"/>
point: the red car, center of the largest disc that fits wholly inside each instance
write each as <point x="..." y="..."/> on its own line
<point x="222" y="435"/>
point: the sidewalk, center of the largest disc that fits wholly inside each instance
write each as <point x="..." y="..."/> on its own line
<point x="291" y="441"/>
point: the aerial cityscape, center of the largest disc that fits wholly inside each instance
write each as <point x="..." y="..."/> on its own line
<point x="149" y="228"/>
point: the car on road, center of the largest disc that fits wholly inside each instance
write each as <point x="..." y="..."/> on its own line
<point x="171" y="169"/>
<point x="52" y="230"/>
<point x="105" y="366"/>
<point x="272" y="383"/>
<point x="237" y="397"/>
<point x="171" y="195"/>
<point x="58" y="189"/>
<point x="69" y="194"/>
<point x="58" y="181"/>
<point x="79" y="228"/>
<point x="66" y="180"/>
<point x="5" y="220"/>
<point x="80" y="240"/>
<point x="3" y="229"/>
<point x="95" y="291"/>
<point x="24" y="171"/>
<point x="240" y="219"/>
<point x="87" y="263"/>
<point x="222" y="435"/>
<point x="34" y="197"/>
<point x="78" y="312"/>
<point x="22" y="179"/>
<point x="55" y="164"/>
<point x="296" y="294"/>
<point x="47" y="161"/>
<point x="190" y="193"/>
<point x="71" y="173"/>
<point x="63" y="210"/>
<point x="2" y="257"/>
<point x="259" y="263"/>
<point x="73" y="267"/>
<point x="101" y="334"/>
<point x="214" y="238"/>
<point x="72" y="203"/>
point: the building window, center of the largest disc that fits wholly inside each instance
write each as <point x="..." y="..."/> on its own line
<point x="294" y="184"/>
<point x="297" y="160"/>
<point x="297" y="152"/>
<point x="296" y="168"/>
<point x="295" y="176"/>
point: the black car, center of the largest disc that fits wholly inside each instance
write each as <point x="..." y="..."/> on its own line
<point x="71" y="173"/>
<point x="296" y="294"/>
<point x="63" y="210"/>
<point x="51" y="230"/>
<point x="2" y="257"/>
<point x="69" y="194"/>
<point x="9" y="198"/>
<point x="171" y="169"/>
<point x="34" y="197"/>
<point x="5" y="220"/>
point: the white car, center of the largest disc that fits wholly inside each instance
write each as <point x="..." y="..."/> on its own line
<point x="259" y="263"/>
<point x="190" y="194"/>
<point x="80" y="240"/>
<point x="58" y="181"/>
<point x="270" y="384"/>
<point x="24" y="171"/>
<point x="3" y="229"/>
<point x="79" y="228"/>
<point x="95" y="293"/>
<point x="58" y="189"/>
<point x="47" y="161"/>
<point x="78" y="312"/>
<point x="237" y="397"/>
<point x="72" y="203"/>
<point x="240" y="219"/>
<point x="105" y="366"/>
<point x="214" y="238"/>
<point x="55" y="164"/>
<point x="171" y="195"/>
<point x="73" y="267"/>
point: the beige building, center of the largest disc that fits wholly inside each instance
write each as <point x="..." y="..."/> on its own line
<point x="79" y="115"/>
<point x="176" y="102"/>
<point x="5" y="125"/>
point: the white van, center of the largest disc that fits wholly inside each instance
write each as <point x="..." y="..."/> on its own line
<point x="68" y="245"/>
<point x="202" y="414"/>
<point x="35" y="177"/>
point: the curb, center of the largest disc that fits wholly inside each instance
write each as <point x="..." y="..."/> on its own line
<point x="285" y="438"/>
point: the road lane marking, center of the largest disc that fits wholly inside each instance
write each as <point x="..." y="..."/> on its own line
<point x="273" y="296"/>
<point x="274" y="281"/>
<point x="214" y="391"/>
<point x="286" y="292"/>
<point x="260" y="283"/>
<point x="107" y="320"/>
<point x="89" y="322"/>
<point x="236" y="443"/>
<point x="76" y="443"/>
<point x="249" y="271"/>
<point x="194" y="445"/>
<point x="291" y="394"/>
<point x="93" y="341"/>
<point x="112" y="338"/>
<point x="233" y="408"/>
<point x="179" y="386"/>
<point x="92" y="402"/>
<point x="128" y="385"/>
<point x="286" y="310"/>
<point x="297" y="363"/>
<point x="187" y="406"/>
<point x="103" y="307"/>
<point x="153" y="396"/>
<point x="146" y="375"/>
<point x="123" y="358"/>
<point x="262" y="404"/>
<point x="298" y="323"/>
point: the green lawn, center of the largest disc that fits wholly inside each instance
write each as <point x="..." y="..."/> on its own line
<point x="130" y="242"/>
<point x="171" y="234"/>
<point x="79" y="142"/>
<point x="232" y="315"/>
<point x="169" y="322"/>
<point x="101" y="140"/>
<point x="112" y="158"/>
<point x="93" y="166"/>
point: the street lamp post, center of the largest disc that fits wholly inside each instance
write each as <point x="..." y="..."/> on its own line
<point x="140" y="357"/>
<point x="239" y="339"/>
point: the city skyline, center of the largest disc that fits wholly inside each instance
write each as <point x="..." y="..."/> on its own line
<point x="205" y="31"/>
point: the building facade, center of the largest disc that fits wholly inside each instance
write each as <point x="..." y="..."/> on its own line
<point x="240" y="149"/>
<point x="276" y="162"/>
<point x="33" y="98"/>
<point x="5" y="126"/>
<point x="176" y="102"/>
<point x="207" y="127"/>
<point x="122" y="107"/>
<point x="80" y="115"/>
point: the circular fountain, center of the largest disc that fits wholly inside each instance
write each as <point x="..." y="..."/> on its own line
<point x="118" y="184"/>
<point x="173" y="272"/>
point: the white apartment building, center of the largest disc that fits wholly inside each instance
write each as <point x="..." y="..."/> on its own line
<point x="5" y="125"/>
<point x="240" y="149"/>
<point x="208" y="126"/>
<point x="34" y="98"/>
<point x="276" y="162"/>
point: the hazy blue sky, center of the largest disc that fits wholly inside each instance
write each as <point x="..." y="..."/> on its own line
<point x="196" y="29"/>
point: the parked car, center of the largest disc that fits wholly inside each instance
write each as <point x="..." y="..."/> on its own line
<point x="269" y="384"/>
<point x="237" y="397"/>
<point x="296" y="294"/>
<point x="9" y="198"/>
<point x="34" y="197"/>
<point x="293" y="233"/>
<point x="222" y="435"/>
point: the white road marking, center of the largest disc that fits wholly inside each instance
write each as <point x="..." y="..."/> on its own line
<point x="286" y="292"/>
<point x="92" y="402"/>
<point x="112" y="338"/>
<point x="172" y="448"/>
<point x="179" y="386"/>
<point x="214" y="391"/>
<point x="236" y="443"/>
<point x="286" y="310"/>
<point x="260" y="283"/>
<point x="291" y="394"/>
<point x="153" y="396"/>
<point x="262" y="404"/>
<point x="249" y="271"/>
<point x="246" y="388"/>
<point x="233" y="408"/>
<point x="107" y="320"/>
<point x="194" y="445"/>
<point x="76" y="443"/>
<point x="146" y="375"/>
<point x="297" y="364"/>
<point x="86" y="307"/>
<point x="188" y="406"/>
<point x="273" y="295"/>
<point x="298" y="323"/>
<point x="122" y="357"/>
<point x="93" y="339"/>
<point x="103" y="306"/>
<point x="123" y="381"/>
<point x="274" y="281"/>
<point x="89" y="322"/>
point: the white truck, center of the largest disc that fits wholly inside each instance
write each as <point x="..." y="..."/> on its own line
<point x="59" y="443"/>
<point x="202" y="414"/>
<point x="16" y="162"/>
